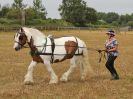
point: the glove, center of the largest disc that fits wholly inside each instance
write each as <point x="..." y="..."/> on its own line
<point x="106" y="50"/>
<point x="99" y="50"/>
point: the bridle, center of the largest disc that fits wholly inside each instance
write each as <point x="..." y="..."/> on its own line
<point x="21" y="44"/>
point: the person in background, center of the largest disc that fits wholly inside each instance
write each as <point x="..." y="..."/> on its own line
<point x="111" y="48"/>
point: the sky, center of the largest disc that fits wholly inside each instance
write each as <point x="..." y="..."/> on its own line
<point x="118" y="6"/>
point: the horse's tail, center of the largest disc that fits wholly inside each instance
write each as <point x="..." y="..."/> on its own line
<point x="85" y="62"/>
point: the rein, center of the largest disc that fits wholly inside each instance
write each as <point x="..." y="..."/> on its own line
<point x="45" y="45"/>
<point x="101" y="52"/>
<point x="23" y="46"/>
<point x="101" y="55"/>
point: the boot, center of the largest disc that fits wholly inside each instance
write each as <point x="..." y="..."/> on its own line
<point x="115" y="77"/>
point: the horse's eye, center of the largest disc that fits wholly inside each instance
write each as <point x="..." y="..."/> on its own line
<point x="21" y="38"/>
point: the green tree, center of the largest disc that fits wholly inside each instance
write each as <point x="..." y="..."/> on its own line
<point x="91" y="16"/>
<point x="13" y="14"/>
<point x="18" y="4"/>
<point x="101" y="16"/>
<point x="39" y="9"/>
<point x="16" y="11"/>
<point x="4" y="10"/>
<point x="111" y="16"/>
<point x="124" y="19"/>
<point x="76" y="12"/>
<point x="130" y="23"/>
<point x="132" y="16"/>
<point x="30" y="13"/>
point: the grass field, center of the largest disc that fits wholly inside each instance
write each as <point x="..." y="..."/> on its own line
<point x="13" y="67"/>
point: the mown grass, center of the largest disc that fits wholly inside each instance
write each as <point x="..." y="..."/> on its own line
<point x="13" y="67"/>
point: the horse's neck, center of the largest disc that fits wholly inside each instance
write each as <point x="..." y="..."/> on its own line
<point x="38" y="40"/>
<point x="31" y="45"/>
<point x="34" y="43"/>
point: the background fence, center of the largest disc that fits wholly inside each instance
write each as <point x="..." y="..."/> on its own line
<point x="15" y="28"/>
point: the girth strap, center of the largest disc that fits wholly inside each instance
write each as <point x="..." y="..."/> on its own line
<point x="52" y="48"/>
<point x="77" y="44"/>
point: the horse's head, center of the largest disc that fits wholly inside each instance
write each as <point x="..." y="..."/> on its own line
<point x="20" y="39"/>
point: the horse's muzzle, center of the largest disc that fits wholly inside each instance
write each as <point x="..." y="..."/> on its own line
<point x="17" y="48"/>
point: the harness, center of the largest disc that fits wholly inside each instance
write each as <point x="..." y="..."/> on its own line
<point x="43" y="52"/>
<point x="52" y="48"/>
<point x="77" y="44"/>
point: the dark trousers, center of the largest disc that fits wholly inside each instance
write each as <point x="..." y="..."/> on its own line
<point x="110" y="66"/>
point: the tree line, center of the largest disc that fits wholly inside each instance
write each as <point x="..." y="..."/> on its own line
<point x="73" y="13"/>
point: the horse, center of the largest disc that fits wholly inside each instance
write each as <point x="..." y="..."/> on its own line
<point x="48" y="50"/>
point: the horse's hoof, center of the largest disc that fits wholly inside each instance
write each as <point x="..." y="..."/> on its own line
<point x="28" y="83"/>
<point x="53" y="82"/>
<point x="83" y="79"/>
<point x="63" y="79"/>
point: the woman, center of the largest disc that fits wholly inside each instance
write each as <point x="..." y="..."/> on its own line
<point x="111" y="48"/>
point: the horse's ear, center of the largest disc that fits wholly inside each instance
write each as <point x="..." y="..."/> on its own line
<point x="21" y="29"/>
<point x="31" y="41"/>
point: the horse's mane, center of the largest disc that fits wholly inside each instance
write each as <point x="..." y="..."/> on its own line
<point x="33" y="31"/>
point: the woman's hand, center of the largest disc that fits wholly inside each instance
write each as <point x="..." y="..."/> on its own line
<point x="106" y="50"/>
<point x="113" y="49"/>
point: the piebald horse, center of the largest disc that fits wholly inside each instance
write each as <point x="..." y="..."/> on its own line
<point x="47" y="50"/>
